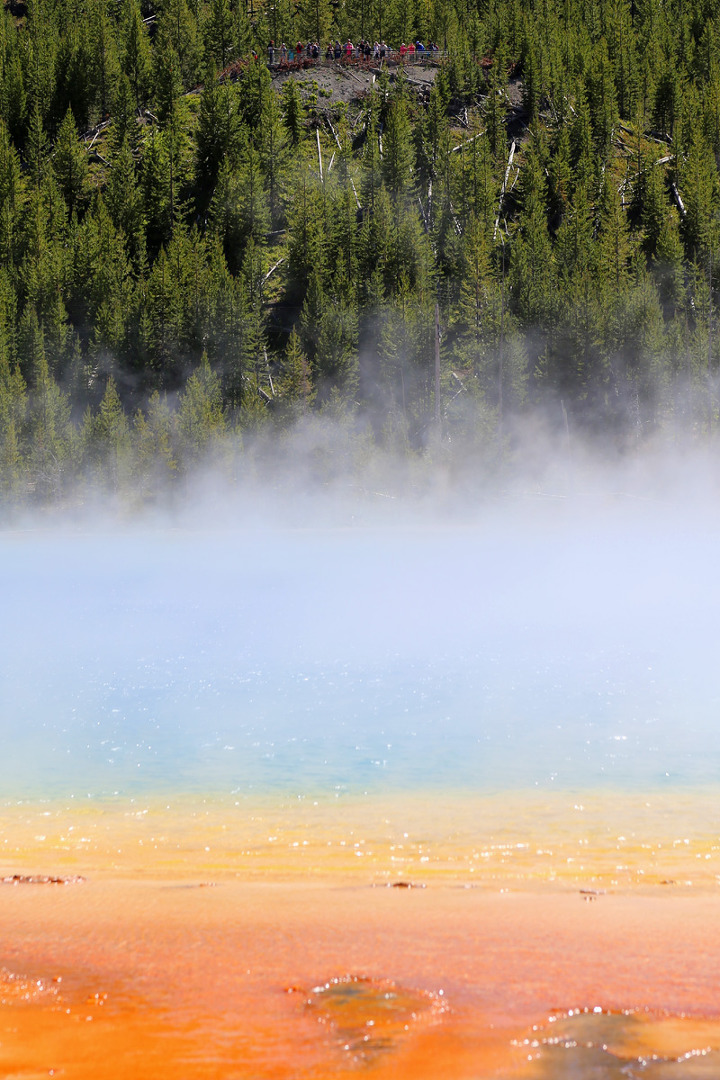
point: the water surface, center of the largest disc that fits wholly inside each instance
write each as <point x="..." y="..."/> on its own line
<point x="534" y="651"/>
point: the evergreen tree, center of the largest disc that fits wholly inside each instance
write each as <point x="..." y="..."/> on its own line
<point x="70" y="164"/>
<point x="532" y="262"/>
<point x="274" y="159"/>
<point x="293" y="111"/>
<point x="296" y="388"/>
<point x="12" y="197"/>
<point x="397" y="148"/>
<point x="109" y="439"/>
<point x="124" y="201"/>
<point x="135" y="56"/>
<point x="154" y="437"/>
<point x="217" y="134"/>
<point x="48" y="415"/>
<point x="201" y="420"/>
<point x="177" y="38"/>
<point x="103" y="57"/>
<point x="219" y="32"/>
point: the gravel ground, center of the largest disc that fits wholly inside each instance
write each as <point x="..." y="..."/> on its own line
<point x="340" y="82"/>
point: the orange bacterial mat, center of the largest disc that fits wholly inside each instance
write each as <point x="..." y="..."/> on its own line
<point x="408" y="937"/>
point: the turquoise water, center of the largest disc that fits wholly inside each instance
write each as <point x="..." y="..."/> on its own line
<point x="527" y="649"/>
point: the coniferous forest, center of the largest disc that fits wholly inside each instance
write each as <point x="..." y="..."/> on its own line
<point x="202" y="250"/>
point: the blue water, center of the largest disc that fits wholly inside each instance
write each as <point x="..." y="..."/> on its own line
<point x="524" y="650"/>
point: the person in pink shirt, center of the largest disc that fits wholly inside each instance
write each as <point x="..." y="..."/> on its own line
<point x="348" y="49"/>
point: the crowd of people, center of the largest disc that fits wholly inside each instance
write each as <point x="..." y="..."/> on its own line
<point x="364" y="51"/>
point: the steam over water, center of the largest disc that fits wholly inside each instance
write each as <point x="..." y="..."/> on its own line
<point x="545" y="646"/>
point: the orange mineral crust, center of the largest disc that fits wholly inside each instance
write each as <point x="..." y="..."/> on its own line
<point x="191" y="959"/>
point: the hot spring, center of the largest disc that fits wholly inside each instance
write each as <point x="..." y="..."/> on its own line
<point x="239" y="736"/>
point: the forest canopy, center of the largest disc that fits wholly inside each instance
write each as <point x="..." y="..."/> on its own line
<point x="200" y="247"/>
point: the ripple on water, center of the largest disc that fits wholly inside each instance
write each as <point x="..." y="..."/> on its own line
<point x="368" y="1017"/>
<point x="597" y="1045"/>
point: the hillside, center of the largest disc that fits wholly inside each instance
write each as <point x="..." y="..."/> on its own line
<point x="197" y="246"/>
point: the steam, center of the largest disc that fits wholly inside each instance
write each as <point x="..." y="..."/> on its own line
<point x="367" y="626"/>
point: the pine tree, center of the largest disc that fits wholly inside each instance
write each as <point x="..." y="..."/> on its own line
<point x="167" y="79"/>
<point x="293" y="111"/>
<point x="155" y="463"/>
<point x="13" y="397"/>
<point x="177" y="33"/>
<point x="48" y="415"/>
<point x="701" y="194"/>
<point x="532" y="262"/>
<point x="135" y="55"/>
<point x="165" y="309"/>
<point x="14" y="99"/>
<point x="274" y="159"/>
<point x="124" y="201"/>
<point x="239" y="207"/>
<point x="581" y="140"/>
<point x="41" y="62"/>
<point x="124" y="122"/>
<point x="615" y="247"/>
<point x="12" y="197"/>
<point x="496" y="108"/>
<point x="217" y="134"/>
<point x="252" y="88"/>
<point x="70" y="164"/>
<point x="219" y="32"/>
<point x="103" y="56"/>
<point x="36" y="148"/>
<point x="397" y="148"/>
<point x="296" y="388"/>
<point x="335" y="364"/>
<point x="201" y="420"/>
<point x="110" y="439"/>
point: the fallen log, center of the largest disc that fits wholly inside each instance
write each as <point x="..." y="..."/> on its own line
<point x="317" y="135"/>
<point x="333" y="132"/>
<point x="678" y="200"/>
<point x="274" y="268"/>
<point x="454" y="149"/>
<point x="502" y="189"/>
<point x="352" y="184"/>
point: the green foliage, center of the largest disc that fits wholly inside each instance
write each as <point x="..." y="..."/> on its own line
<point x="201" y="420"/>
<point x="175" y="263"/>
<point x="70" y="164"/>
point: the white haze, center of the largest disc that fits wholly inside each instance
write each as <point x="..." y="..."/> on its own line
<point x="561" y="628"/>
